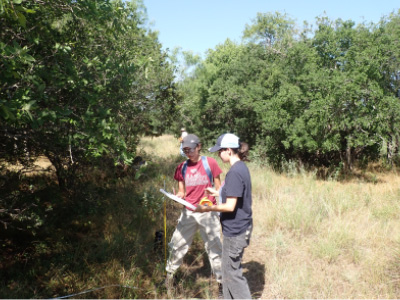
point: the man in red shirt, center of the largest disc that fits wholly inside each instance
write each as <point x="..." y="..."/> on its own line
<point x="193" y="179"/>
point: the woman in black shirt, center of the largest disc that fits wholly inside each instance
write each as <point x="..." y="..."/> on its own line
<point x="236" y="214"/>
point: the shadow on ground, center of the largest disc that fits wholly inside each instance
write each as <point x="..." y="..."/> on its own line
<point x="254" y="273"/>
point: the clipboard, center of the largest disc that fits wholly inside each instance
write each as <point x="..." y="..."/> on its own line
<point x="177" y="199"/>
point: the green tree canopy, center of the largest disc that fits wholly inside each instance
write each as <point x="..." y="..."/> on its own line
<point x="321" y="98"/>
<point x="80" y="79"/>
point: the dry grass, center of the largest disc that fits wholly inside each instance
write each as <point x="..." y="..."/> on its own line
<point x="40" y="166"/>
<point x="326" y="239"/>
<point x="319" y="239"/>
<point x="163" y="146"/>
<point x="311" y="238"/>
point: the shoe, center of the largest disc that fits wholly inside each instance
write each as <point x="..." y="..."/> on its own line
<point x="220" y="291"/>
<point x="169" y="281"/>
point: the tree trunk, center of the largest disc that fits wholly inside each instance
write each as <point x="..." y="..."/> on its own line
<point x="65" y="172"/>
<point x="389" y="148"/>
<point x="349" y="158"/>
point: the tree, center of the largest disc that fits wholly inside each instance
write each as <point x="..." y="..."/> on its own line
<point x="274" y="30"/>
<point x="322" y="100"/>
<point x="81" y="80"/>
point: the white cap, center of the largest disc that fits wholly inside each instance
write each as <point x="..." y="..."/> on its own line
<point x="227" y="140"/>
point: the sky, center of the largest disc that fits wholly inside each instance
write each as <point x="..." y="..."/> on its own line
<point x="198" y="25"/>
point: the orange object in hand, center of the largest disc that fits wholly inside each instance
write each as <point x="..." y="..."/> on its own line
<point x="205" y="201"/>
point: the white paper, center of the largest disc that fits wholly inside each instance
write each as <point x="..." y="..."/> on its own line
<point x="177" y="199"/>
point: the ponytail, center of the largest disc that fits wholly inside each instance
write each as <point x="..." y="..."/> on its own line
<point x="242" y="151"/>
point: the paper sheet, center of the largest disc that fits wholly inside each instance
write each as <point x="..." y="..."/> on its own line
<point x="177" y="199"/>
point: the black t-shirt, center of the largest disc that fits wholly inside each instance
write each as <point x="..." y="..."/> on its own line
<point x="237" y="184"/>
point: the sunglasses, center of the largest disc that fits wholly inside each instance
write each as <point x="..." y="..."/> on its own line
<point x="188" y="150"/>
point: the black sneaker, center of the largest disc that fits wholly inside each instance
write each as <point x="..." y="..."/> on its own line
<point x="220" y="291"/>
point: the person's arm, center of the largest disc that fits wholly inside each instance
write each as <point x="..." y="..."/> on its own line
<point x="217" y="182"/>
<point x="181" y="190"/>
<point x="229" y="206"/>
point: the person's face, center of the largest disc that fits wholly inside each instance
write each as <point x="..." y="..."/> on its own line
<point x="224" y="154"/>
<point x="191" y="152"/>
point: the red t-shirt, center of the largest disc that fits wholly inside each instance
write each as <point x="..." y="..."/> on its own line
<point x="196" y="179"/>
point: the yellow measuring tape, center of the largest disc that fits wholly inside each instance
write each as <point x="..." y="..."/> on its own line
<point x="205" y="201"/>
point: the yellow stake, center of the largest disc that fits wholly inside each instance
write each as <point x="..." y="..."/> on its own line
<point x="165" y="228"/>
<point x="165" y="232"/>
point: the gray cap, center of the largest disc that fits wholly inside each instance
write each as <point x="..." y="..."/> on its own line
<point x="190" y="141"/>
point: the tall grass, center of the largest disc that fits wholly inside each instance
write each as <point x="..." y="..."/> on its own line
<point x="311" y="238"/>
<point x="99" y="241"/>
<point x="322" y="239"/>
<point x="327" y="239"/>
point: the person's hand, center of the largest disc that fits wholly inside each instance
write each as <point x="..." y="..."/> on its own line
<point x="211" y="191"/>
<point x="201" y="208"/>
<point x="180" y="195"/>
